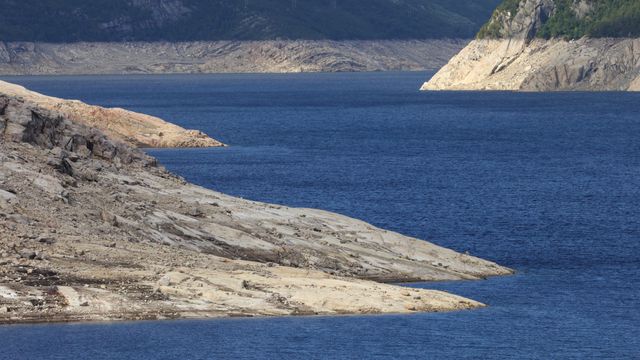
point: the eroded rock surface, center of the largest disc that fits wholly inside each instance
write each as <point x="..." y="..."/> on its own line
<point x="543" y="65"/>
<point x="517" y="59"/>
<point x="92" y="229"/>
<point x="274" y="56"/>
<point x="130" y="127"/>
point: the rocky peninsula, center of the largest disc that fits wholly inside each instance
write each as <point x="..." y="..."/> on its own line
<point x="92" y="228"/>
<point x="134" y="129"/>
<point x="550" y="45"/>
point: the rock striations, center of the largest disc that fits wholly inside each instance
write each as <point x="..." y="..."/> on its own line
<point x="273" y="56"/>
<point x="92" y="229"/>
<point x="511" y="53"/>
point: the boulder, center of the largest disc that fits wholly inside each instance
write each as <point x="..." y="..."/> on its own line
<point x="27" y="254"/>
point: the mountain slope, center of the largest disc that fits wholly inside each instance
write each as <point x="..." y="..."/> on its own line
<point x="270" y="56"/>
<point x="570" y="19"/>
<point x="129" y="127"/>
<point x="547" y="45"/>
<point x="190" y="20"/>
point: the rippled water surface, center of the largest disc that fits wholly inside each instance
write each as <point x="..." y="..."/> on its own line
<point x="545" y="183"/>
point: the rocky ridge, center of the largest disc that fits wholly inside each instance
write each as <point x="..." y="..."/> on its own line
<point x="135" y="129"/>
<point x="93" y="229"/>
<point x="518" y="60"/>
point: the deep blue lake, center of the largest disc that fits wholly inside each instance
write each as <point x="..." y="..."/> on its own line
<point x="548" y="184"/>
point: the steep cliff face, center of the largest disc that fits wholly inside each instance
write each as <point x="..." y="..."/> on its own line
<point x="512" y="53"/>
<point x="518" y="20"/>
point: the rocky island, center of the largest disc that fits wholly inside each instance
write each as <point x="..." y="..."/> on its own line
<point x="92" y="228"/>
<point x="551" y="45"/>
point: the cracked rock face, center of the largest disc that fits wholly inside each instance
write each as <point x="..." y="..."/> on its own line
<point x="526" y="22"/>
<point x="92" y="229"/>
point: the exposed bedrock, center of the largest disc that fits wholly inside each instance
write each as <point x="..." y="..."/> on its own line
<point x="543" y="65"/>
<point x="513" y="52"/>
<point x="273" y="56"/>
<point x="93" y="229"/>
<point x="135" y="129"/>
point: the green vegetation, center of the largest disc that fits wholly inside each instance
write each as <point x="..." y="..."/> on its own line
<point x="493" y="29"/>
<point x="616" y="18"/>
<point x="183" y="20"/>
<point x="564" y="23"/>
<point x="607" y="18"/>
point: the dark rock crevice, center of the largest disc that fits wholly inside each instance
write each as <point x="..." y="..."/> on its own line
<point x="49" y="130"/>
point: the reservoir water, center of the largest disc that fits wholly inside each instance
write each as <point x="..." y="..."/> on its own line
<point x="548" y="184"/>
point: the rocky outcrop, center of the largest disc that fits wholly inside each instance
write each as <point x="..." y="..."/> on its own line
<point x="516" y="59"/>
<point x="92" y="229"/>
<point x="543" y="65"/>
<point x="521" y="22"/>
<point x="225" y="57"/>
<point x="132" y="128"/>
<point x="27" y="122"/>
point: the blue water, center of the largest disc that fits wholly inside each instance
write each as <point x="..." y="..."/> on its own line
<point x="547" y="184"/>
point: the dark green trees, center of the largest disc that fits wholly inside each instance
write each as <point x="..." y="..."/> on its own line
<point x="118" y="20"/>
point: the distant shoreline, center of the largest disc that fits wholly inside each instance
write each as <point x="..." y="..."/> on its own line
<point x="274" y="56"/>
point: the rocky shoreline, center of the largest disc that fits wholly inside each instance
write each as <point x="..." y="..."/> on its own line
<point x="92" y="229"/>
<point x="520" y="60"/>
<point x="543" y="65"/>
<point x="275" y="56"/>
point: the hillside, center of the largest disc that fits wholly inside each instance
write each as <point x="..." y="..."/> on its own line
<point x="550" y="45"/>
<point x="570" y="19"/>
<point x="268" y="56"/>
<point x="207" y="20"/>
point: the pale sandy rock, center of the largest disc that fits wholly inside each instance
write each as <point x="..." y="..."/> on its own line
<point x="277" y="56"/>
<point x="6" y="196"/>
<point x="543" y="65"/>
<point x="7" y="293"/>
<point x="70" y="296"/>
<point x="635" y="85"/>
<point x="133" y="128"/>
<point x="519" y="60"/>
<point x="135" y="242"/>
